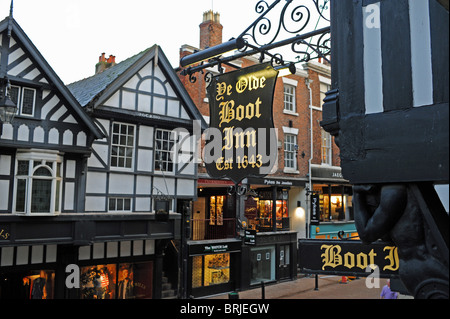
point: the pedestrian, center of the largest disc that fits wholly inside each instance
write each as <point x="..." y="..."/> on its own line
<point x="387" y="293"/>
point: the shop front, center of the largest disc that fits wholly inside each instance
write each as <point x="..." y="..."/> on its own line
<point x="331" y="210"/>
<point x="100" y="257"/>
<point x="214" y="266"/>
<point x="271" y="258"/>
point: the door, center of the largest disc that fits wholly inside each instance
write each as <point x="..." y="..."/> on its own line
<point x="285" y="262"/>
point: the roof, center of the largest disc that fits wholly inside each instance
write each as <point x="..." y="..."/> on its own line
<point x="34" y="53"/>
<point x="93" y="91"/>
<point x="87" y="89"/>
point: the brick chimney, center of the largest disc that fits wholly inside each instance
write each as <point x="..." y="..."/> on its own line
<point x="210" y="30"/>
<point x="104" y="63"/>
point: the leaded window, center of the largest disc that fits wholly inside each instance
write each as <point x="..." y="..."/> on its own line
<point x="38" y="184"/>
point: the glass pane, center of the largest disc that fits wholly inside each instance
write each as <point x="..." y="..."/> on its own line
<point x="20" y="196"/>
<point x="22" y="168"/>
<point x="42" y="171"/>
<point x="40" y="196"/>
<point x="14" y="94"/>
<point x="125" y="288"/>
<point x="40" y="283"/>
<point x="58" y="185"/>
<point x="28" y="101"/>
<point x="98" y="282"/>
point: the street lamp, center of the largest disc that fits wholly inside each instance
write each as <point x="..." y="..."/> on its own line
<point x="7" y="107"/>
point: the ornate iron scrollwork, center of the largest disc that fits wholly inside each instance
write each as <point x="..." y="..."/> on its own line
<point x="296" y="17"/>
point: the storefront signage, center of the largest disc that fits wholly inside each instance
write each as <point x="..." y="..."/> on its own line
<point x="216" y="248"/>
<point x="4" y="232"/>
<point x="347" y="257"/>
<point x="315" y="209"/>
<point x="250" y="237"/>
<point x="242" y="138"/>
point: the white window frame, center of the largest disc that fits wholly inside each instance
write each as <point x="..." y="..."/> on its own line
<point x="117" y="200"/>
<point x="326" y="148"/>
<point x="324" y="87"/>
<point x="291" y="141"/>
<point x="53" y="162"/>
<point x="289" y="99"/>
<point x="167" y="150"/>
<point x="120" y="146"/>
<point x="20" y="97"/>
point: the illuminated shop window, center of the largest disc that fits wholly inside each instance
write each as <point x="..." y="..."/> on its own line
<point x="117" y="281"/>
<point x="210" y="270"/>
<point x="259" y="212"/>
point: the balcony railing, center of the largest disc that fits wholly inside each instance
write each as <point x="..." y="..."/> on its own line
<point x="204" y="229"/>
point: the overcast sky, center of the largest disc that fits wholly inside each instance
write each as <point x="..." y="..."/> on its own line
<point x="72" y="34"/>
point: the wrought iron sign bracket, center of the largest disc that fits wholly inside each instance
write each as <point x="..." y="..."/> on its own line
<point x="260" y="38"/>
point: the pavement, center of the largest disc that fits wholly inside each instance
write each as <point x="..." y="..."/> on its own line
<point x="329" y="287"/>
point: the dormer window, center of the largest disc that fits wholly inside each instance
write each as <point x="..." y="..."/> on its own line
<point x="24" y="98"/>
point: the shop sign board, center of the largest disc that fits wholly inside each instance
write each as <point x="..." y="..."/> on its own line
<point x="4" y="232"/>
<point x="250" y="237"/>
<point x="241" y="139"/>
<point x="347" y="257"/>
<point x="315" y="209"/>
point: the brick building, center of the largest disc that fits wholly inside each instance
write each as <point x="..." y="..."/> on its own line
<point x="308" y="169"/>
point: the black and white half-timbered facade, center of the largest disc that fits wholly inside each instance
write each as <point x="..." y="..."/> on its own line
<point x="91" y="176"/>
<point x="145" y="114"/>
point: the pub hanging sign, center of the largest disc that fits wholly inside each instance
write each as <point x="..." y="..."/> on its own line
<point x="241" y="139"/>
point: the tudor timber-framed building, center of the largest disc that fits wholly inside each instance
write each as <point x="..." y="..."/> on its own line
<point x="86" y="178"/>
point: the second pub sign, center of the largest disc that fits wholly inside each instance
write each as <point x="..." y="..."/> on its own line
<point x="242" y="139"/>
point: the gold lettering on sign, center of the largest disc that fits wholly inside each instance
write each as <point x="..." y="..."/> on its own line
<point x="331" y="256"/>
<point x="392" y="257"/>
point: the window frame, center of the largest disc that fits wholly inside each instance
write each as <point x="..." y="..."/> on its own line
<point x="291" y="101"/>
<point x="116" y="200"/>
<point x="291" y="151"/>
<point x="326" y="148"/>
<point x="124" y="147"/>
<point x="169" y="152"/>
<point x="53" y="163"/>
<point x="20" y="98"/>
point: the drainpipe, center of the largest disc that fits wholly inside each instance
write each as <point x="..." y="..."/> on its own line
<point x="308" y="84"/>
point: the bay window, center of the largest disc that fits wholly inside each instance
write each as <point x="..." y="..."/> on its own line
<point x="38" y="183"/>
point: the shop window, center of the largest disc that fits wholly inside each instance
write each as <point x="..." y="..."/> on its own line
<point x="210" y="270"/>
<point x="259" y="212"/>
<point x="262" y="264"/>
<point x="117" y="281"/>
<point x="34" y="284"/>
<point x="335" y="202"/>
<point x="38" y="183"/>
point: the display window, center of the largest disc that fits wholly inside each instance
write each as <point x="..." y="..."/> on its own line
<point x="335" y="202"/>
<point x="210" y="270"/>
<point x="117" y="281"/>
<point x="262" y="264"/>
<point x="32" y="284"/>
<point x="258" y="212"/>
